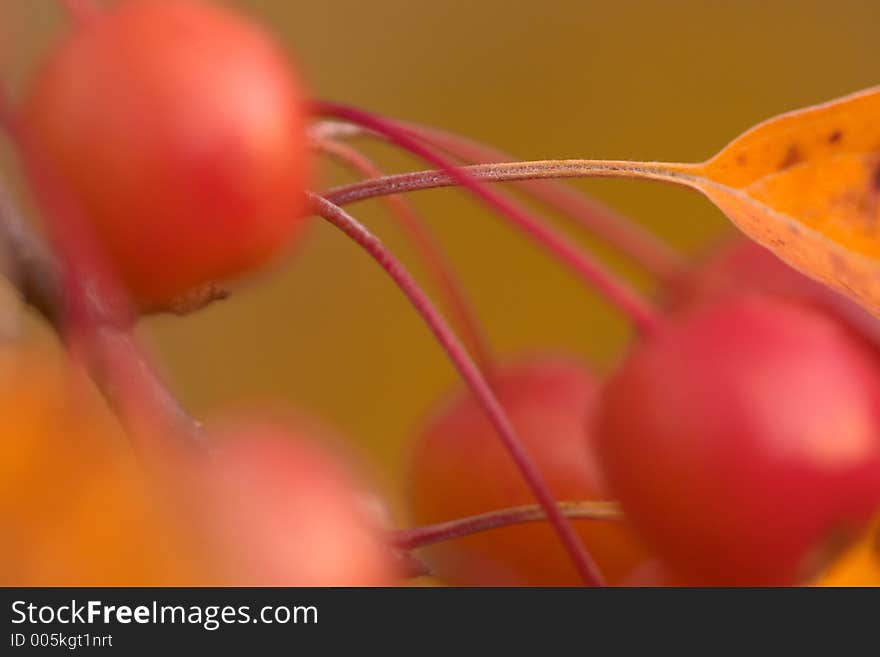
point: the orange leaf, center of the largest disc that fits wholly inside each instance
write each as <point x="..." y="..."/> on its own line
<point x="806" y="185"/>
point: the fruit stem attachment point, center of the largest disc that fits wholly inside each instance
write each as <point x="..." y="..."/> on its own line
<point x="643" y="315"/>
<point x="471" y="375"/>
<point x="435" y="261"/>
<point x="418" y="537"/>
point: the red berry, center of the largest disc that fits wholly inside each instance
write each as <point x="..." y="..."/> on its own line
<point x="460" y="468"/>
<point x="282" y="511"/>
<point x="180" y="128"/>
<point x="743" y="439"/>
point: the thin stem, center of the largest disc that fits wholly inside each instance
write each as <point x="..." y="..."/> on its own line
<point x="418" y="537"/>
<point x="628" y="237"/>
<point x="419" y="234"/>
<point x="617" y="230"/>
<point x="500" y="172"/>
<point x="472" y="376"/>
<point x="81" y="11"/>
<point x="642" y="314"/>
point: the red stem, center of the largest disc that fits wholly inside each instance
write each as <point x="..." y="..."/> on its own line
<point x="642" y="314"/>
<point x="418" y="537"/>
<point x="472" y="377"/>
<point x="631" y="239"/>
<point x="435" y="260"/>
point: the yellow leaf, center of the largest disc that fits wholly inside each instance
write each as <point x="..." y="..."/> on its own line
<point x="806" y="185"/>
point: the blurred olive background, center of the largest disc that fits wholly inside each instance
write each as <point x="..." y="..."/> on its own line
<point x="565" y="78"/>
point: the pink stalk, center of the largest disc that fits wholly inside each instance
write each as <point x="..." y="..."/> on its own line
<point x="617" y="230"/>
<point x="472" y="376"/>
<point x="631" y="239"/>
<point x="417" y="537"/>
<point x="435" y="260"/>
<point x="642" y="314"/>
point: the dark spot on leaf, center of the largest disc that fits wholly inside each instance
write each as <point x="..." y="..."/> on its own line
<point x="835" y="137"/>
<point x="792" y="157"/>
<point x="875" y="179"/>
<point x="742" y="160"/>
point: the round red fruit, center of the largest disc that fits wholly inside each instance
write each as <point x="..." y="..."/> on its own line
<point x="743" y="439"/>
<point x="281" y="510"/>
<point x="179" y="127"/>
<point x="459" y="468"/>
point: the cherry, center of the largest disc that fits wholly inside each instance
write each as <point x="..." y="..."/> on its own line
<point x="742" y="439"/>
<point x="458" y="469"/>
<point x="280" y="510"/>
<point x="179" y="128"/>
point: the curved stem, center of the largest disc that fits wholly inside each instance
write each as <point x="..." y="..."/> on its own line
<point x="470" y="373"/>
<point x="617" y="230"/>
<point x="418" y="537"/>
<point x="499" y="172"/>
<point x="425" y="243"/>
<point x="642" y="314"/>
<point x="629" y="238"/>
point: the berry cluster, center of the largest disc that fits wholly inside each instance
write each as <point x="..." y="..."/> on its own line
<point x="169" y="145"/>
